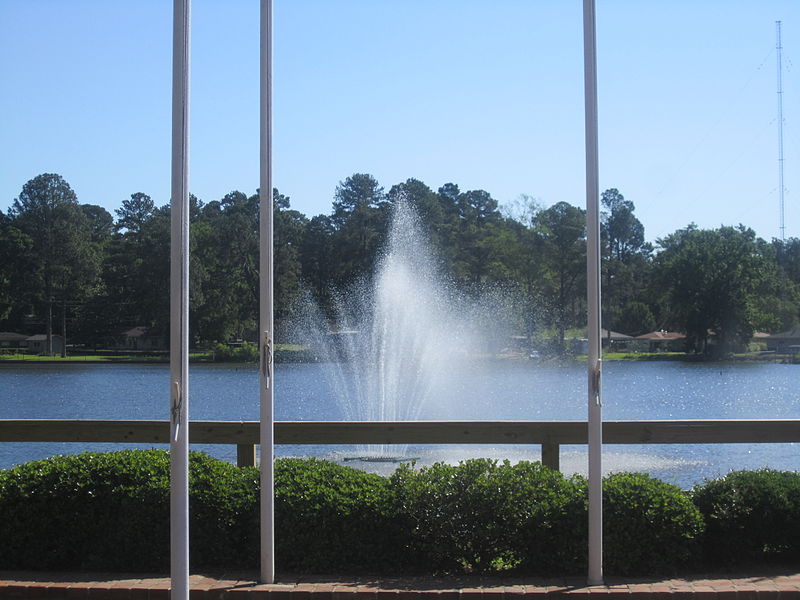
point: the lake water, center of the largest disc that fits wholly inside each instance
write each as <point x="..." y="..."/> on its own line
<point x="501" y="390"/>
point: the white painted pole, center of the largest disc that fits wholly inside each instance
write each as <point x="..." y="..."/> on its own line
<point x="179" y="306"/>
<point x="595" y="576"/>
<point x="265" y="301"/>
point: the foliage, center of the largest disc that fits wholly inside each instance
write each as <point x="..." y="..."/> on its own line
<point x="102" y="274"/>
<point x="14" y="263"/>
<point x="111" y="512"/>
<point x="247" y="352"/>
<point x="648" y="526"/>
<point x="331" y="518"/>
<point x="482" y="515"/>
<point x="63" y="258"/>
<point x="563" y="231"/>
<point x="713" y="279"/>
<point x="625" y="267"/>
<point x="751" y="516"/>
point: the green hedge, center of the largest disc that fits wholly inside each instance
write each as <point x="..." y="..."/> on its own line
<point x="751" y="516"/>
<point x="482" y="516"/>
<point x="247" y="352"/>
<point x="331" y="518"/>
<point x="648" y="526"/>
<point x="111" y="512"/>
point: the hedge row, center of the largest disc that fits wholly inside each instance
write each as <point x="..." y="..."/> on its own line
<point x="111" y="512"/>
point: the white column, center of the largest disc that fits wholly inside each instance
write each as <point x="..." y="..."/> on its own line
<point x="265" y="301"/>
<point x="595" y="424"/>
<point x="179" y="307"/>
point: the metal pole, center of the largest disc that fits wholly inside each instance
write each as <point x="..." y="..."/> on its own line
<point x="179" y="306"/>
<point x="265" y="301"/>
<point x="595" y="576"/>
<point x="781" y="186"/>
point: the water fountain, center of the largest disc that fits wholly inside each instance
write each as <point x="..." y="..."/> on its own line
<point x="404" y="345"/>
<point x="398" y="336"/>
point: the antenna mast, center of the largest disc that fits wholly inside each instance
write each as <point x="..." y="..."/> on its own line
<point x="779" y="49"/>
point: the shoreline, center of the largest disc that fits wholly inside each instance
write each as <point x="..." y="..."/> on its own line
<point x="295" y="357"/>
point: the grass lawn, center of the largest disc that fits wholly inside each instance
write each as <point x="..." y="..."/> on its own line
<point x="644" y="355"/>
<point x="102" y="356"/>
<point x="98" y="358"/>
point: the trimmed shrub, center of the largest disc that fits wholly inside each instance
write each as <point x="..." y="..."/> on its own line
<point x="550" y="512"/>
<point x="110" y="511"/>
<point x="90" y="511"/>
<point x="223" y="514"/>
<point x="481" y="516"/>
<point x="649" y="527"/>
<point x="331" y="518"/>
<point x="247" y="352"/>
<point x="750" y="516"/>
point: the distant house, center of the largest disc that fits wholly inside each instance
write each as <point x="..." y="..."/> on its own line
<point x="786" y="342"/>
<point x="663" y="341"/>
<point x="38" y="343"/>
<point x="615" y="340"/>
<point x="609" y="340"/>
<point x="9" y="339"/>
<point x="141" y="338"/>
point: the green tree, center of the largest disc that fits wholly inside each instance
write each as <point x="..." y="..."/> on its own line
<point x="625" y="266"/>
<point x="134" y="213"/>
<point x="479" y="225"/>
<point x="524" y="258"/>
<point x="14" y="264"/>
<point x="563" y="231"/>
<point x="360" y="219"/>
<point x="65" y="262"/>
<point x="713" y="279"/>
<point x="622" y="232"/>
<point x="779" y="300"/>
<point x="289" y="229"/>
<point x="225" y="245"/>
<point x="318" y="260"/>
<point x="787" y="257"/>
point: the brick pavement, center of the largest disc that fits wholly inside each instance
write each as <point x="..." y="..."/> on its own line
<point x="767" y="585"/>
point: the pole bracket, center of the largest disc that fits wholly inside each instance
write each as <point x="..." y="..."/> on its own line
<point x="266" y="359"/>
<point x="177" y="406"/>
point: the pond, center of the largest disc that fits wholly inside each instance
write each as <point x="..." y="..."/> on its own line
<point x="496" y="390"/>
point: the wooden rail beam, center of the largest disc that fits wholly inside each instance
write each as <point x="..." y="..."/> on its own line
<point x="549" y="434"/>
<point x="408" y="432"/>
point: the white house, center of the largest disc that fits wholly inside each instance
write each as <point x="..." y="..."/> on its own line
<point x="38" y="343"/>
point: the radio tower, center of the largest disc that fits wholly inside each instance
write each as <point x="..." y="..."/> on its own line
<point x="779" y="49"/>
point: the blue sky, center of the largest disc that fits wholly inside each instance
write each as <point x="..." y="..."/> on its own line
<point x="487" y="94"/>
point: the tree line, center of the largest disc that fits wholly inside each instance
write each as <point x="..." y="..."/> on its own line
<point x="76" y="266"/>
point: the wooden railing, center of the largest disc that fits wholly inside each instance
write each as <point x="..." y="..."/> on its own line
<point x="550" y="435"/>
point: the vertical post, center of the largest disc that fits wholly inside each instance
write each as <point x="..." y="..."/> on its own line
<point x="595" y="424"/>
<point x="179" y="306"/>
<point x="245" y="455"/>
<point x="265" y="300"/>
<point x="781" y="186"/>
<point x="550" y="456"/>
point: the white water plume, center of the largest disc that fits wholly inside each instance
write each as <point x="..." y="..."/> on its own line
<point x="398" y="336"/>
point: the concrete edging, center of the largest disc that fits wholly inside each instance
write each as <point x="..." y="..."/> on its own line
<point x="244" y="586"/>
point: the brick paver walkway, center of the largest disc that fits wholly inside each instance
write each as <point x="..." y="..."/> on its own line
<point x="771" y="585"/>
